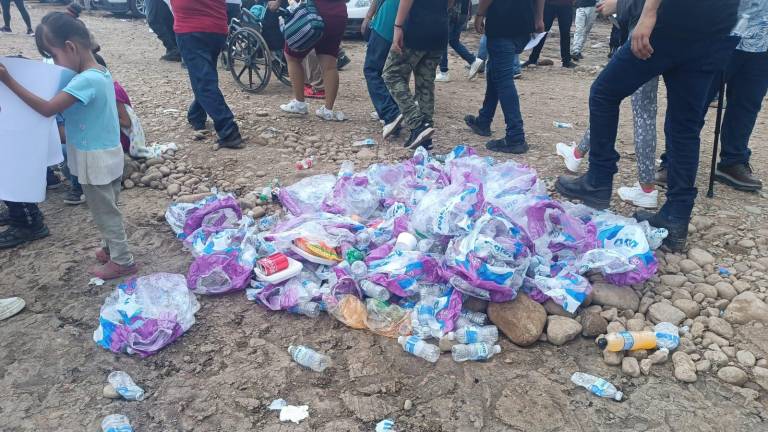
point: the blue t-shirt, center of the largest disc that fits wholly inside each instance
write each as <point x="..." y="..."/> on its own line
<point x="384" y="21"/>
<point x="92" y="122"/>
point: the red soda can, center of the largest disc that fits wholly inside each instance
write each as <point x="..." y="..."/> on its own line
<point x="273" y="264"/>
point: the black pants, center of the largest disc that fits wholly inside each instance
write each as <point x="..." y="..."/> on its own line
<point x="564" y="15"/>
<point x="24" y="215"/>
<point x="160" y="20"/>
<point x="6" y="4"/>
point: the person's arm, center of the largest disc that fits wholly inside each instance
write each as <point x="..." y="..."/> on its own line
<point x="46" y="108"/>
<point x="482" y="9"/>
<point x="538" y="16"/>
<point x="641" y="35"/>
<point x="402" y="15"/>
<point x="122" y="115"/>
<point x="372" y="9"/>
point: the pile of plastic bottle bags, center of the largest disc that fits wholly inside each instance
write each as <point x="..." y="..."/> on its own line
<point x="483" y="228"/>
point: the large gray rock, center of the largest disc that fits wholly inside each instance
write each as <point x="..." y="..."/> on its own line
<point x="665" y="312"/>
<point x="761" y="377"/>
<point x="685" y="369"/>
<point x="708" y="290"/>
<point x="746" y="307"/>
<point x="611" y="295"/>
<point x="689" y="307"/>
<point x="700" y="257"/>
<point x="687" y="266"/>
<point x="721" y="327"/>
<point x="561" y="329"/>
<point x="726" y="290"/>
<point x="732" y="375"/>
<point x="521" y="320"/>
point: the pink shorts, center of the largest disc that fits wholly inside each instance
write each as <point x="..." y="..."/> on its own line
<point x="334" y="13"/>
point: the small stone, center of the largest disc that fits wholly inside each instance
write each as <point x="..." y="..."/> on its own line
<point x="635" y="324"/>
<point x="610" y="314"/>
<point x="446" y="344"/>
<point x="593" y="324"/>
<point x="638" y="354"/>
<point x="703" y="365"/>
<point x="746" y="358"/>
<point x="741" y="286"/>
<point x="173" y="189"/>
<point x="261" y="174"/>
<point x="721" y="327"/>
<point x="708" y="290"/>
<point x="761" y="376"/>
<point x="612" y="358"/>
<point x="718" y="358"/>
<point x="699" y="297"/>
<point x="164" y="170"/>
<point x="687" y="266"/>
<point x="689" y="307"/>
<point x="674" y="281"/>
<point x="746" y="307"/>
<point x="659" y="357"/>
<point x="261" y="114"/>
<point x="109" y="392"/>
<point x="762" y="363"/>
<point x="645" y="366"/>
<point x="700" y="257"/>
<point x="615" y="327"/>
<point x="729" y="351"/>
<point x="630" y="366"/>
<point x="685" y="370"/>
<point x="732" y="375"/>
<point x="681" y="294"/>
<point x="408" y="404"/>
<point x="561" y="329"/>
<point x="258" y="212"/>
<point x="711" y="338"/>
<point x="665" y="312"/>
<point x="746" y="243"/>
<point x="129" y="184"/>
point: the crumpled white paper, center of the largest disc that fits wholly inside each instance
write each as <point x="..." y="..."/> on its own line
<point x="289" y="412"/>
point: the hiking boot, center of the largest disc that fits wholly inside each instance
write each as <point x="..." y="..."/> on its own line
<point x="10" y="307"/>
<point x="15" y="236"/>
<point x="74" y="197"/>
<point x="503" y="146"/>
<point x="102" y="255"/>
<point x="660" y="178"/>
<point x="740" y="177"/>
<point x="113" y="270"/>
<point x="234" y="141"/>
<point x="476" y="127"/>
<point x="570" y="187"/>
<point x="392" y="126"/>
<point x="198" y="126"/>
<point x="427" y="144"/>
<point x="637" y="196"/>
<point x="6" y="29"/>
<point x="528" y="63"/>
<point x="171" y="56"/>
<point x="419" y="135"/>
<point x="677" y="231"/>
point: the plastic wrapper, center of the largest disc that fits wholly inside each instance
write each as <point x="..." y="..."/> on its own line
<point x="302" y="288"/>
<point x="333" y="230"/>
<point x="349" y="310"/>
<point x="352" y="196"/>
<point x="217" y="274"/>
<point x="307" y="195"/>
<point x="216" y="206"/>
<point x="568" y="289"/>
<point x="401" y="271"/>
<point x="387" y="319"/>
<point x="448" y="211"/>
<point x="145" y="314"/>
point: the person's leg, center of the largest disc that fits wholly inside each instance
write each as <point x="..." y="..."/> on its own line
<point x="296" y="73"/>
<point x="397" y="72"/>
<point x="588" y="24"/>
<point x="24" y="14"/>
<point x="454" y="41"/>
<point x="444" y="56"/>
<point x="102" y="200"/>
<point x="200" y="52"/>
<point x="644" y="108"/>
<point x="549" y="19"/>
<point x="490" y="100"/>
<point x="313" y="71"/>
<point x="424" y="80"/>
<point x="6" y="5"/>
<point x="579" y="35"/>
<point x="502" y="52"/>
<point x="375" y="58"/>
<point x="564" y="21"/>
<point x="330" y="79"/>
<point x="26" y="224"/>
<point x="158" y="17"/>
<point x="482" y="50"/>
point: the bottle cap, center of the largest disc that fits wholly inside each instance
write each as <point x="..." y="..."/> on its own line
<point x="496" y="349"/>
<point x="602" y="342"/>
<point x="406" y="241"/>
<point x="618" y="396"/>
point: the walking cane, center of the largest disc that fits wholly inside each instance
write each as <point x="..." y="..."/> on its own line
<point x="718" y="124"/>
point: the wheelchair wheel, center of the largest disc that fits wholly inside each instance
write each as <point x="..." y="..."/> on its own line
<point x="249" y="60"/>
<point x="280" y="69"/>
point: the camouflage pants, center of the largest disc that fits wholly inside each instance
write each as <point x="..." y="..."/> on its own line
<point x="397" y="73"/>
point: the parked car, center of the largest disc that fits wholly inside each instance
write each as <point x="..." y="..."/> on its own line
<point x="134" y="7"/>
<point x="356" y="10"/>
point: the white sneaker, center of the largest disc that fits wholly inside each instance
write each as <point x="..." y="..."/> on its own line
<point x="474" y="68"/>
<point x="295" y="107"/>
<point x="442" y="77"/>
<point x="329" y="115"/>
<point x="10" y="307"/>
<point x="374" y="116"/>
<point x="391" y="127"/>
<point x="638" y="197"/>
<point x="567" y="152"/>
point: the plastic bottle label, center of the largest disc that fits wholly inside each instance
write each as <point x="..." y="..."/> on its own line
<point x="470" y="335"/>
<point x="629" y="341"/>
<point x="482" y="353"/>
<point x="600" y="387"/>
<point x="410" y="344"/>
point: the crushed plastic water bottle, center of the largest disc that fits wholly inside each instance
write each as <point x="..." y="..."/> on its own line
<point x="125" y="387"/>
<point x="419" y="348"/>
<point x="477" y="318"/>
<point x="475" y="351"/>
<point x="668" y="335"/>
<point x="310" y="358"/>
<point x="597" y="386"/>
<point x="385" y="426"/>
<point x="364" y="142"/>
<point x="359" y="269"/>
<point x="472" y="334"/>
<point x="374" y="290"/>
<point x="116" y="423"/>
<point x="310" y="309"/>
<point x="424" y="317"/>
<point x="562" y="125"/>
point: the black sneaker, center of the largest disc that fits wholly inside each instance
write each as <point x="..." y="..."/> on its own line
<point x="501" y="145"/>
<point x="740" y="177"/>
<point x="660" y="178"/>
<point x="235" y="141"/>
<point x="15" y="236"/>
<point x="171" y="56"/>
<point x="74" y="197"/>
<point x="576" y="57"/>
<point x="678" y="231"/>
<point x="598" y="198"/>
<point x="476" y="127"/>
<point x="52" y="180"/>
<point x="419" y="135"/>
<point x="569" y="65"/>
<point x="528" y="63"/>
<point x="6" y="29"/>
<point x="427" y="144"/>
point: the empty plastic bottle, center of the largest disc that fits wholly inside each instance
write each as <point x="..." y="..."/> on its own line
<point x="597" y="386"/>
<point x="359" y="269"/>
<point x="310" y="358"/>
<point x="425" y="317"/>
<point x="125" y="387"/>
<point x="665" y="336"/>
<point x="375" y="290"/>
<point x="310" y="309"/>
<point x="478" y="318"/>
<point x="474" y="351"/>
<point x="116" y="423"/>
<point x="419" y="348"/>
<point x="472" y="334"/>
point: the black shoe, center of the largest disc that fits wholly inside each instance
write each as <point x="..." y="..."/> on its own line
<point x="171" y="56"/>
<point x="52" y="180"/>
<point x="427" y="144"/>
<point x="678" y="231"/>
<point x="660" y="178"/>
<point x="471" y="121"/>
<point x="342" y="61"/>
<point x="6" y="29"/>
<point x="569" y="65"/>
<point x="527" y="63"/>
<point x="503" y="146"/>
<point x="15" y="236"/>
<point x="74" y="197"/>
<point x="578" y="188"/>
<point x="576" y="57"/>
<point x="234" y="141"/>
<point x="419" y="135"/>
<point x="739" y="177"/>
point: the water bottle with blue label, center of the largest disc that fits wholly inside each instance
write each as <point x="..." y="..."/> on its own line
<point x="310" y="309"/>
<point x="597" y="386"/>
<point x="475" y="351"/>
<point x="419" y="348"/>
<point x="125" y="387"/>
<point x="116" y="423"/>
<point x="310" y="358"/>
<point x="473" y="334"/>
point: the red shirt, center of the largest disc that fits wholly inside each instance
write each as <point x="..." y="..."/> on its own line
<point x="199" y="16"/>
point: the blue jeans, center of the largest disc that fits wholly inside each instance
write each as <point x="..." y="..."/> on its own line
<point x="500" y="86"/>
<point x="454" y="40"/>
<point x="482" y="54"/>
<point x="746" y="78"/>
<point x="200" y="52"/>
<point x="375" y="58"/>
<point x="688" y="67"/>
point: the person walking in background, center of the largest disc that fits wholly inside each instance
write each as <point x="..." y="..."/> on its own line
<point x="563" y="11"/>
<point x="201" y="29"/>
<point x="508" y="25"/>
<point x="160" y="20"/>
<point x="419" y="39"/>
<point x="482" y="54"/>
<point x="380" y="22"/>
<point x="457" y="22"/>
<point x="6" y="5"/>
<point x="586" y="14"/>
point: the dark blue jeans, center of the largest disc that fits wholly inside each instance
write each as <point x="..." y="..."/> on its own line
<point x="746" y="79"/>
<point x="160" y="20"/>
<point x="375" y="58"/>
<point x="200" y="52"/>
<point x="454" y="40"/>
<point x="564" y="15"/>
<point x="688" y="67"/>
<point x="500" y="86"/>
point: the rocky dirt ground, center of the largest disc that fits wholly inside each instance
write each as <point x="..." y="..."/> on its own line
<point x="225" y="371"/>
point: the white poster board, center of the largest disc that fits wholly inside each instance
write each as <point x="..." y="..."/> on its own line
<point x="29" y="142"/>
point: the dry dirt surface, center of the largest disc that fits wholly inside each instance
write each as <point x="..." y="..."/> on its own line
<point x="224" y="372"/>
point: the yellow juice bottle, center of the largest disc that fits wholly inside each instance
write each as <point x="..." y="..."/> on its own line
<point x="627" y="341"/>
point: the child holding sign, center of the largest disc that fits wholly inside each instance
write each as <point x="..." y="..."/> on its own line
<point x="94" y="153"/>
